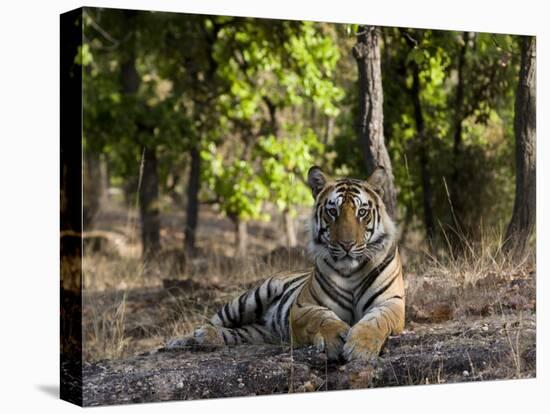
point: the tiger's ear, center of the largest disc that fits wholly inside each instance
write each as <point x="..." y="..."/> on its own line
<point x="316" y="180"/>
<point x="378" y="180"/>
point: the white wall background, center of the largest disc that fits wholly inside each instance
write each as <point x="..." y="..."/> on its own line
<point x="29" y="194"/>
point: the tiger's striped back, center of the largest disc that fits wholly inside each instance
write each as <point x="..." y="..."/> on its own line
<point x="352" y="299"/>
<point x="266" y="305"/>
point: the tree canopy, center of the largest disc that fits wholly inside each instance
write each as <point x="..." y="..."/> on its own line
<point x="253" y="103"/>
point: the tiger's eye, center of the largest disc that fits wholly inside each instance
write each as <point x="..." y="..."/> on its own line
<point x="362" y="212"/>
<point x="333" y="211"/>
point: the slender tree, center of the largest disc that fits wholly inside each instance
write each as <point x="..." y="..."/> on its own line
<point x="92" y="188"/>
<point x="459" y="116"/>
<point x="414" y="93"/>
<point x="148" y="203"/>
<point x="371" y="118"/>
<point x="523" y="219"/>
<point x="148" y="188"/>
<point x="193" y="188"/>
<point x="202" y="88"/>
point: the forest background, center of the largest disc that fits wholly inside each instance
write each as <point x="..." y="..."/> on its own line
<point x="199" y="130"/>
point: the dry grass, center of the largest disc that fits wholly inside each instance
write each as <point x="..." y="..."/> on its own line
<point x="130" y="307"/>
<point x="105" y="334"/>
<point x="477" y="281"/>
<point x="479" y="287"/>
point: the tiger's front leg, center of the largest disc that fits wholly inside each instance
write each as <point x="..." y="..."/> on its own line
<point x="366" y="337"/>
<point x="319" y="326"/>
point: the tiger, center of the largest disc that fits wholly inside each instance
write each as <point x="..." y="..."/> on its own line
<point x="352" y="299"/>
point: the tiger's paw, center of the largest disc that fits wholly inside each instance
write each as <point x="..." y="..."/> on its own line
<point x="206" y="335"/>
<point x="331" y="337"/>
<point x="209" y="335"/>
<point x="180" y="343"/>
<point x="364" y="342"/>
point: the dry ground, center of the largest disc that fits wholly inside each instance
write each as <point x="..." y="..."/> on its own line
<point x="431" y="354"/>
<point x="130" y="308"/>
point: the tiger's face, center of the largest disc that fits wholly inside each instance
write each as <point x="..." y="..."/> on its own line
<point x="349" y="223"/>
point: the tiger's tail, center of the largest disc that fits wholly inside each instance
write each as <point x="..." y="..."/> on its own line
<point x="243" y="319"/>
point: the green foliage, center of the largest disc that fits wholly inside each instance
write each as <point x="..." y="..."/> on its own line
<point x="239" y="191"/>
<point x="257" y="98"/>
<point x="485" y="159"/>
<point x="284" y="62"/>
<point x="273" y="70"/>
<point x="281" y="163"/>
<point x="83" y="55"/>
<point x="284" y="162"/>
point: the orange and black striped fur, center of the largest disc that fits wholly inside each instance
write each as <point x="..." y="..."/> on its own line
<point x="350" y="302"/>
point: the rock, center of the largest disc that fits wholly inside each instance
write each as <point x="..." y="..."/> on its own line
<point x="438" y="354"/>
<point x="517" y="302"/>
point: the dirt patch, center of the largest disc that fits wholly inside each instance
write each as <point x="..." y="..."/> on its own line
<point x="481" y="349"/>
<point x="469" y="318"/>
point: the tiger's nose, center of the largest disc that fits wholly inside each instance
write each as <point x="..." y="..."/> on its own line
<point x="346" y="244"/>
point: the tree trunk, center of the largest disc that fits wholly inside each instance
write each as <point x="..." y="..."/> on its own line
<point x="457" y="134"/>
<point x="148" y="204"/>
<point x="329" y="130"/>
<point x="423" y="157"/>
<point x="104" y="179"/>
<point x="290" y="229"/>
<point x="241" y="236"/>
<point x="414" y="93"/>
<point x="172" y="181"/>
<point x="129" y="77"/>
<point x="371" y="118"/>
<point x="523" y="219"/>
<point x="148" y="188"/>
<point x="92" y="188"/>
<point x="193" y="188"/>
